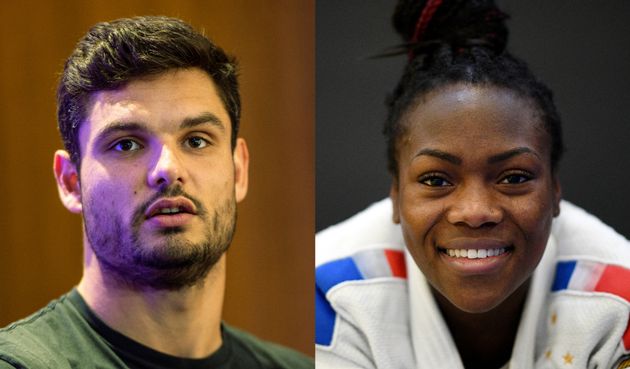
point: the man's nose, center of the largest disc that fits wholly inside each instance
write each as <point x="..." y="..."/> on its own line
<point x="166" y="168"/>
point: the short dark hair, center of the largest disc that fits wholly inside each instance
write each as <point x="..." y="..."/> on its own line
<point x="463" y="42"/>
<point x="114" y="53"/>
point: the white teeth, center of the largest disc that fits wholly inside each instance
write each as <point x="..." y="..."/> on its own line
<point x="169" y="210"/>
<point x="474" y="253"/>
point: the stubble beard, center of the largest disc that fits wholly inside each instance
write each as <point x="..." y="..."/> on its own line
<point x="176" y="263"/>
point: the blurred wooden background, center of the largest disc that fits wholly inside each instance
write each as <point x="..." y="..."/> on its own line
<point x="270" y="279"/>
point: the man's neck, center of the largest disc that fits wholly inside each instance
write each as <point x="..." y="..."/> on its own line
<point x="184" y="323"/>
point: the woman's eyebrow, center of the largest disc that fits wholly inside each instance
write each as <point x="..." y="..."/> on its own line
<point x="443" y="155"/>
<point x="510" y="154"/>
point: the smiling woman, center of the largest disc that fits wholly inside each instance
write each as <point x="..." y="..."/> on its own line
<point x="491" y="189"/>
<point x="473" y="261"/>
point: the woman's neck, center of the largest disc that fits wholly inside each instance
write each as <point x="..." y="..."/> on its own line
<point x="484" y="340"/>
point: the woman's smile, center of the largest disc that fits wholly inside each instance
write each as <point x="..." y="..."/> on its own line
<point x="475" y="256"/>
<point x="475" y="193"/>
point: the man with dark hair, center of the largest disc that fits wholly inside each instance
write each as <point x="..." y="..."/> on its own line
<point x="148" y="110"/>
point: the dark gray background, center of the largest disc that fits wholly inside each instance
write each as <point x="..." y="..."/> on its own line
<point x="581" y="49"/>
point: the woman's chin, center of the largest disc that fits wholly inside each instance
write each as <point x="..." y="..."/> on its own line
<point x="472" y="302"/>
<point x="482" y="300"/>
<point x="478" y="307"/>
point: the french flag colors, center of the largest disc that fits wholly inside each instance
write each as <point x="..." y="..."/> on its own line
<point x="591" y="276"/>
<point x="368" y="264"/>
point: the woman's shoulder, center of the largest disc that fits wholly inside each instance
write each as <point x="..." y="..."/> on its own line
<point x="582" y="236"/>
<point x="587" y="314"/>
<point x="370" y="229"/>
<point x="360" y="259"/>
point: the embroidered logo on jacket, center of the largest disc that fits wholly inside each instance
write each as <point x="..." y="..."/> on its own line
<point x="622" y="363"/>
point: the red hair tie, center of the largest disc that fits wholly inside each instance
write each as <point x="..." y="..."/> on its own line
<point x="423" y="21"/>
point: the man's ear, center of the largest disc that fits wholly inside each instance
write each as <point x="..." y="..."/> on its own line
<point x="68" y="183"/>
<point x="241" y="169"/>
<point x="393" y="194"/>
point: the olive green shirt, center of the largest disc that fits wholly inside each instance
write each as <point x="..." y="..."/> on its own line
<point x="67" y="334"/>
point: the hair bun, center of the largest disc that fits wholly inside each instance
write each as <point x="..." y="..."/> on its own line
<point x="458" y="23"/>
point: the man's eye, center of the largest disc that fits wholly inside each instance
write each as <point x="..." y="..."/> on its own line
<point x="196" y="142"/>
<point x="515" y="179"/>
<point x="127" y="145"/>
<point x="434" y="181"/>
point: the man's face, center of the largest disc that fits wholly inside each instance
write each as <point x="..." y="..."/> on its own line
<point x="159" y="180"/>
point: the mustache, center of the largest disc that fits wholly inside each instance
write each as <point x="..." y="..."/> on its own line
<point x="173" y="191"/>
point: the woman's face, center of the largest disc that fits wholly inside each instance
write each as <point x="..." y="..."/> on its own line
<point x="475" y="193"/>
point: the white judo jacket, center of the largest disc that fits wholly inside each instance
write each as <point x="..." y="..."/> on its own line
<point x="374" y="308"/>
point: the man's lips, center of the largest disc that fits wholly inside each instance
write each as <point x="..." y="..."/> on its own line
<point x="168" y="206"/>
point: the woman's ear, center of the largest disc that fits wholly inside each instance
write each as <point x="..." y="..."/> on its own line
<point x="557" y="195"/>
<point x="393" y="194"/>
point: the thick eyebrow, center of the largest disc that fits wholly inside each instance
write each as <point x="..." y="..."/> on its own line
<point x="118" y="126"/>
<point x="491" y="160"/>
<point x="440" y="155"/>
<point x="510" y="154"/>
<point x="203" y="118"/>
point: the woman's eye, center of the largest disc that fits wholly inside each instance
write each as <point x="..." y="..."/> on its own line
<point x="127" y="145"/>
<point x="196" y="142"/>
<point x="435" y="181"/>
<point x="515" y="179"/>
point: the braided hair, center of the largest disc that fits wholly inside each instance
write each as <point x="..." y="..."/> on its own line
<point x="460" y="41"/>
